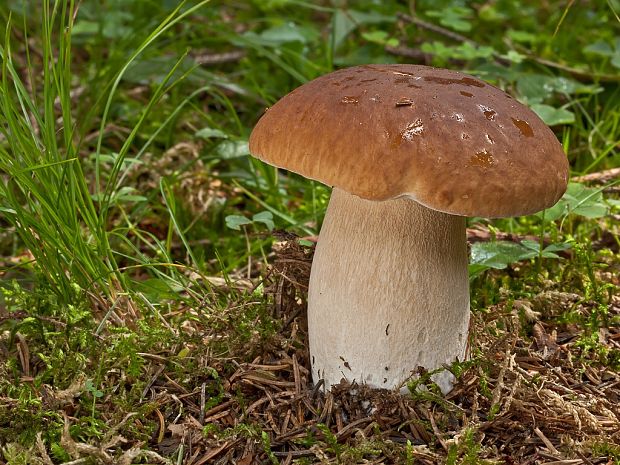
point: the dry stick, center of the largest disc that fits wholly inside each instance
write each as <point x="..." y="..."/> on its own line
<point x="441" y="31"/>
<point x="219" y="58"/>
<point x="162" y="426"/>
<point x="577" y="73"/>
<point x="215" y="452"/>
<point x="599" y="177"/>
<point x="203" y="401"/>
<point x="436" y="431"/>
<point x="24" y="354"/>
<point x="585" y="459"/>
<point x="437" y="29"/>
<point x="546" y="441"/>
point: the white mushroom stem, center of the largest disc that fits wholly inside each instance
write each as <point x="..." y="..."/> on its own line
<point x="389" y="292"/>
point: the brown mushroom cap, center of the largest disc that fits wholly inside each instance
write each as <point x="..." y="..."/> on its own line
<point x="445" y="139"/>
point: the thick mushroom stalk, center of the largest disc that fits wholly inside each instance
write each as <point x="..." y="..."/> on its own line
<point x="389" y="292"/>
<point x="389" y="285"/>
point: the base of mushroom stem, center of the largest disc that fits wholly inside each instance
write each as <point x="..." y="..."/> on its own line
<point x="389" y="292"/>
<point x="444" y="380"/>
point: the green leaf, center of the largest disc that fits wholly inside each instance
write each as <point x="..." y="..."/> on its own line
<point x="115" y="24"/>
<point x="498" y="254"/>
<point x="346" y="21"/>
<point x="265" y="217"/>
<point x="465" y="51"/>
<point x="85" y="27"/>
<point x="236" y="221"/>
<point x="514" y="56"/>
<point x="126" y="194"/>
<point x="600" y="48"/>
<point x="455" y="17"/>
<point x="553" y="116"/>
<point x="230" y="149"/>
<point x="523" y="37"/>
<point x="534" y="88"/>
<point x="578" y="200"/>
<point x="380" y="37"/>
<point x="211" y="133"/>
<point x="90" y="387"/>
<point x="288" y="32"/>
<point x="343" y="25"/>
<point x="559" y="247"/>
<point x="147" y="70"/>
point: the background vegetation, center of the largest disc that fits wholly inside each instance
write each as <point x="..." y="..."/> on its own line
<point x="152" y="293"/>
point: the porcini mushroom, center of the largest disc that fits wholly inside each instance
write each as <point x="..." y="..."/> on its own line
<point x="410" y="152"/>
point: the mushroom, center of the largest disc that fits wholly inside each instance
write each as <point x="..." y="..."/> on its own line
<point x="410" y="152"/>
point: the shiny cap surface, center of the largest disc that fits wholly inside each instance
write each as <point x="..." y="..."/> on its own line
<point x="448" y="140"/>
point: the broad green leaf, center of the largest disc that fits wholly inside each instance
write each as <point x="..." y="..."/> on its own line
<point x="535" y="88"/>
<point x="343" y="25"/>
<point x="465" y="51"/>
<point x="115" y="24"/>
<point x="523" y="37"/>
<point x="369" y="17"/>
<point x="498" y="254"/>
<point x="155" y="70"/>
<point x="553" y="116"/>
<point x="85" y="27"/>
<point x="599" y="47"/>
<point x="380" y="37"/>
<point x="559" y="247"/>
<point x="346" y="21"/>
<point x="578" y="200"/>
<point x="288" y="32"/>
<point x="229" y="149"/>
<point x="514" y="56"/>
<point x="236" y="221"/>
<point x="455" y="17"/>
<point x="266" y="218"/>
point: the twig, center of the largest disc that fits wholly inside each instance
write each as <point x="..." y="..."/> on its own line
<point x="600" y="177"/>
<point x="576" y="73"/>
<point x="218" y="58"/>
<point x="203" y="401"/>
<point x="438" y="434"/>
<point x="437" y="29"/>
<point x="546" y="441"/>
<point x="407" y="52"/>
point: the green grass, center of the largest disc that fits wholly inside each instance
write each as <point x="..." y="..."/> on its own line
<point x="137" y="231"/>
